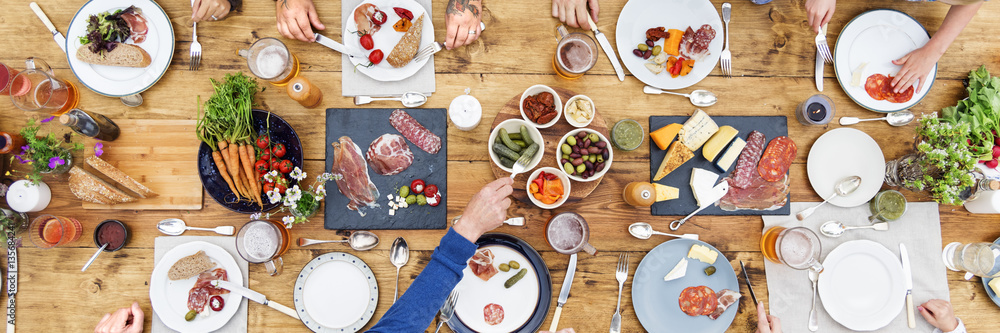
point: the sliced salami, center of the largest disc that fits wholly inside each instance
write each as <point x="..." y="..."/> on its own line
<point x="197" y="299"/>
<point x="873" y="86"/>
<point x="697" y="301"/>
<point x="777" y="158"/>
<point x="493" y="314"/>
<point x="415" y="132"/>
<point x="746" y="165"/>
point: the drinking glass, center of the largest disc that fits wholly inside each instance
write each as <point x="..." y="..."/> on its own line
<point x="263" y="242"/>
<point x="270" y="60"/>
<point x="575" y="54"/>
<point x="37" y="89"/>
<point x="48" y="231"/>
<point x="568" y="233"/>
<point x="7" y="75"/>
<point x="798" y="247"/>
<point x="979" y="259"/>
<point x="888" y="205"/>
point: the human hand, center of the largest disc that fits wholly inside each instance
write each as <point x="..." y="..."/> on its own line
<point x="916" y="66"/>
<point x="209" y="10"/>
<point x="462" y="22"/>
<point x="767" y="323"/>
<point x="940" y="314"/>
<point x="819" y="12"/>
<point x="296" y="18"/>
<point x="565" y="330"/>
<point x="125" y="320"/>
<point x="574" y="12"/>
<point x="486" y="210"/>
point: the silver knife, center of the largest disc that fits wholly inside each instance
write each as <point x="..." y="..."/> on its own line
<point x="56" y="35"/>
<point x="254" y="296"/>
<point x="819" y="70"/>
<point x="608" y="50"/>
<point x="749" y="286"/>
<point x="334" y="45"/>
<point x="908" y="283"/>
<point x="564" y="293"/>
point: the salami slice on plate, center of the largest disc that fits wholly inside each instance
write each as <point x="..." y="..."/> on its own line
<point x="697" y="301"/>
<point x="493" y="314"/>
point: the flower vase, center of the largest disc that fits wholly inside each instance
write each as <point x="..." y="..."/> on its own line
<point x="306" y="207"/>
<point x="59" y="169"/>
<point x="903" y="170"/>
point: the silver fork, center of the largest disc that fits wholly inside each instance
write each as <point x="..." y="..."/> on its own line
<point x="428" y="50"/>
<point x="822" y="46"/>
<point x="621" y="274"/>
<point x="448" y="309"/>
<point x="195" y="49"/>
<point x="727" y="56"/>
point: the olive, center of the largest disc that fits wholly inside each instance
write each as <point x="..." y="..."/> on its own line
<point x="404" y="191"/>
<point x="605" y="154"/>
<point x="563" y="161"/>
<point x="575" y="149"/>
<point x="190" y="315"/>
<point x="514" y="265"/>
<point x="594" y="150"/>
<point x="581" y="135"/>
<point x="589" y="164"/>
<point x="411" y="199"/>
<point x="574" y="155"/>
<point x="649" y="43"/>
<point x="566" y="149"/>
<point x="600" y="159"/>
<point x="656" y="50"/>
<point x="601" y="144"/>
<point x="643" y="47"/>
<point x="565" y="157"/>
<point x="637" y="53"/>
<point x="578" y="161"/>
<point x="599" y="167"/>
<point x="581" y="168"/>
<point x="586" y="143"/>
<point x="504" y="267"/>
<point x="571" y="141"/>
<point x="421" y="200"/>
<point x="593" y="158"/>
<point x="594" y="138"/>
<point x="568" y="168"/>
<point x="647" y="54"/>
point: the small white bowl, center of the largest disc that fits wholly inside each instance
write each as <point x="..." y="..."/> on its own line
<point x="514" y="126"/>
<point x="535" y="90"/>
<point x="573" y="121"/>
<point x="607" y="162"/>
<point x="562" y="177"/>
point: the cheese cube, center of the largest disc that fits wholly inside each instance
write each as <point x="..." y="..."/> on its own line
<point x="718" y="142"/>
<point x="697" y="130"/>
<point x="663" y="136"/>
<point x="726" y="161"/>
<point x="701" y="183"/>
<point x="678" y="271"/>
<point x="703" y="254"/>
<point x="664" y="192"/>
<point x="995" y="285"/>
<point x="676" y="155"/>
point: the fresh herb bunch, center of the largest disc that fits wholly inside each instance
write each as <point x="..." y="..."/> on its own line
<point x="981" y="111"/>
<point x="106" y="29"/>
<point x="947" y="159"/>
<point x="43" y="153"/>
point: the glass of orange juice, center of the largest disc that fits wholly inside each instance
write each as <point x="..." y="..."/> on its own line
<point x="37" y="89"/>
<point x="48" y="231"/>
<point x="270" y="60"/>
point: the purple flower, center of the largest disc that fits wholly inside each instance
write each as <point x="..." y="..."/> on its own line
<point x="25" y="148"/>
<point x="98" y="149"/>
<point x="48" y="119"/>
<point x="21" y="159"/>
<point x="56" y="161"/>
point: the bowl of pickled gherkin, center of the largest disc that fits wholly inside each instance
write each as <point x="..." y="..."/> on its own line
<point x="515" y="139"/>
<point x="584" y="154"/>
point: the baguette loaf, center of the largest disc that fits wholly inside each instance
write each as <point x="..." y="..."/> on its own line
<point x="408" y="46"/>
<point x="117" y="175"/>
<point x="190" y="266"/>
<point x="87" y="181"/>
<point x="77" y="187"/>
<point x="125" y="55"/>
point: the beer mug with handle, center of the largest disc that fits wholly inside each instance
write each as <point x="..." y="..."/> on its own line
<point x="37" y="89"/>
<point x="575" y="54"/>
<point x="263" y="242"/>
<point x="270" y="60"/>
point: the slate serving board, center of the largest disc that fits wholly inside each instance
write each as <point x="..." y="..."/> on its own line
<point x="770" y="126"/>
<point x="364" y="126"/>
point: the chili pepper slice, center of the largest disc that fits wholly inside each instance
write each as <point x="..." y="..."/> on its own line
<point x="404" y="13"/>
<point x="216" y="303"/>
<point x="379" y="17"/>
<point x="417" y="186"/>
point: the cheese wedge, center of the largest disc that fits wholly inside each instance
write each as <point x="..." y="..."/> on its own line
<point x="994" y="284"/>
<point x="664" y="135"/>
<point x="676" y="155"/>
<point x="726" y="161"/>
<point x="857" y="73"/>
<point x="701" y="183"/>
<point x="718" y="142"/>
<point x="664" y="192"/>
<point x="703" y="253"/>
<point x="678" y="271"/>
<point x="697" y="130"/>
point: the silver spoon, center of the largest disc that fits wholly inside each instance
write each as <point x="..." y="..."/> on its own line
<point x="643" y="230"/>
<point x="359" y="241"/>
<point x="836" y="229"/>
<point x="175" y="227"/>
<point x="702" y="98"/>
<point x="91" y="261"/>
<point x="842" y="188"/>
<point x="410" y="99"/>
<point x="399" y="254"/>
<point x="895" y="119"/>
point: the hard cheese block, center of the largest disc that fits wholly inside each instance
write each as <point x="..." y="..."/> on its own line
<point x="703" y="254"/>
<point x="663" y="136"/>
<point x="664" y="192"/>
<point x="676" y="156"/>
<point x="718" y="142"/>
<point x="697" y="130"/>
<point x="726" y="161"/>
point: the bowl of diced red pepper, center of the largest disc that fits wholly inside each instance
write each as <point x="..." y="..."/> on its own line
<point x="548" y="187"/>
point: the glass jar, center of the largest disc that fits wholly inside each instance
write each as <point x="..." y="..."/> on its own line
<point x="59" y="169"/>
<point x="306" y="207"/>
<point x="887" y="205"/>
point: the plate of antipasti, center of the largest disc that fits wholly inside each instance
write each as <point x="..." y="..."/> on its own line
<point x="390" y="33"/>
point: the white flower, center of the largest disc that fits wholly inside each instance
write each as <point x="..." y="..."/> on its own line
<point x="255" y="216"/>
<point x="297" y="174"/>
<point x="288" y="219"/>
<point x="274" y="196"/>
<point x="294" y="193"/>
<point x="320" y="191"/>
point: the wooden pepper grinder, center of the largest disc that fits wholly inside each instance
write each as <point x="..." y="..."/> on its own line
<point x="304" y="92"/>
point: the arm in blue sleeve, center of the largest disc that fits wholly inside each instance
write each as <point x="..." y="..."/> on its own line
<point x="415" y="310"/>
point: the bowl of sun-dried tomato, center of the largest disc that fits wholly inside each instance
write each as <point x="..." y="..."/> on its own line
<point x="541" y="106"/>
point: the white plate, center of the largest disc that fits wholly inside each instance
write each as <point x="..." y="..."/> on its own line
<point x="116" y="81"/>
<point x="335" y="292"/>
<point x="862" y="285"/>
<point x="841" y="153"/>
<point x="386" y="38"/>
<point x="640" y="15"/>
<point x="878" y="37"/>
<point x="518" y="302"/>
<point x="169" y="298"/>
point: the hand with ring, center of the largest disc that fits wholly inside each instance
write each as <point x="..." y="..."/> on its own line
<point x="462" y="21"/>
<point x="210" y="10"/>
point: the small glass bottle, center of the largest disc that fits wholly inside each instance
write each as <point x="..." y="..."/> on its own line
<point x="90" y="124"/>
<point x="981" y="185"/>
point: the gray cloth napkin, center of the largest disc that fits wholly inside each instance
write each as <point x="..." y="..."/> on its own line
<point x="163" y="244"/>
<point x="790" y="291"/>
<point x="354" y="83"/>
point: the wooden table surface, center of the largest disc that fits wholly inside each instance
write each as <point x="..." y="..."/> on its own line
<point x="773" y="51"/>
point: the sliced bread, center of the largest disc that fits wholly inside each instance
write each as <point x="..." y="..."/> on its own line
<point x="117" y="175"/>
<point x="80" y="190"/>
<point x="125" y="55"/>
<point x="408" y="46"/>
<point x="89" y="182"/>
<point x="190" y="266"/>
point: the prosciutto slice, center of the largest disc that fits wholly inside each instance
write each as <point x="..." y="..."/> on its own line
<point x="759" y="195"/>
<point x="726" y="298"/>
<point x="389" y="154"/>
<point x="481" y="264"/>
<point x="137" y="24"/>
<point x="694" y="44"/>
<point x="203" y="289"/>
<point x="351" y="173"/>
<point x="363" y="17"/>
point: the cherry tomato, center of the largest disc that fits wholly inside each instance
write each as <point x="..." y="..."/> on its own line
<point x="265" y="156"/>
<point x="260" y="166"/>
<point x="216" y="303"/>
<point x="379" y="17"/>
<point x="285" y="166"/>
<point x="262" y="142"/>
<point x="367" y="42"/>
<point x="417" y="186"/>
<point x="268" y="187"/>
<point x="278" y="150"/>
<point x="275" y="163"/>
<point x="430" y="190"/>
<point x="375" y="57"/>
<point x="280" y="187"/>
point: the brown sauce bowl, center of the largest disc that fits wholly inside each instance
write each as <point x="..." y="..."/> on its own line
<point x="114" y="232"/>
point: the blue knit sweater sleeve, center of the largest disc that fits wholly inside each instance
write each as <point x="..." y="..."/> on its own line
<point x="415" y="310"/>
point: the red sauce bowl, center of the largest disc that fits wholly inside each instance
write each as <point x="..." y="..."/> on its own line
<point x="113" y="232"/>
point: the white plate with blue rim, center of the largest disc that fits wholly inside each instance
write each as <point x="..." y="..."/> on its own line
<point x="335" y="292"/>
<point x="115" y="81"/>
<point x="986" y="284"/>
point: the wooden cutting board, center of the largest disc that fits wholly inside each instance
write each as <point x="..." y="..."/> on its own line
<point x="161" y="154"/>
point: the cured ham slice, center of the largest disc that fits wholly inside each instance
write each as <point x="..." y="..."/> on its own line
<point x="726" y="298"/>
<point x="759" y="195"/>
<point x="389" y="154"/>
<point x="205" y="281"/>
<point x="137" y="24"/>
<point x="694" y="44"/>
<point x="415" y="132"/>
<point x="363" y="17"/>
<point x="481" y="264"/>
<point x="351" y="173"/>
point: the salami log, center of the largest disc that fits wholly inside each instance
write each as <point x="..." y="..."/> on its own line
<point x="777" y="158"/>
<point x="415" y="132"/>
<point x="493" y="314"/>
<point x="746" y="165"/>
